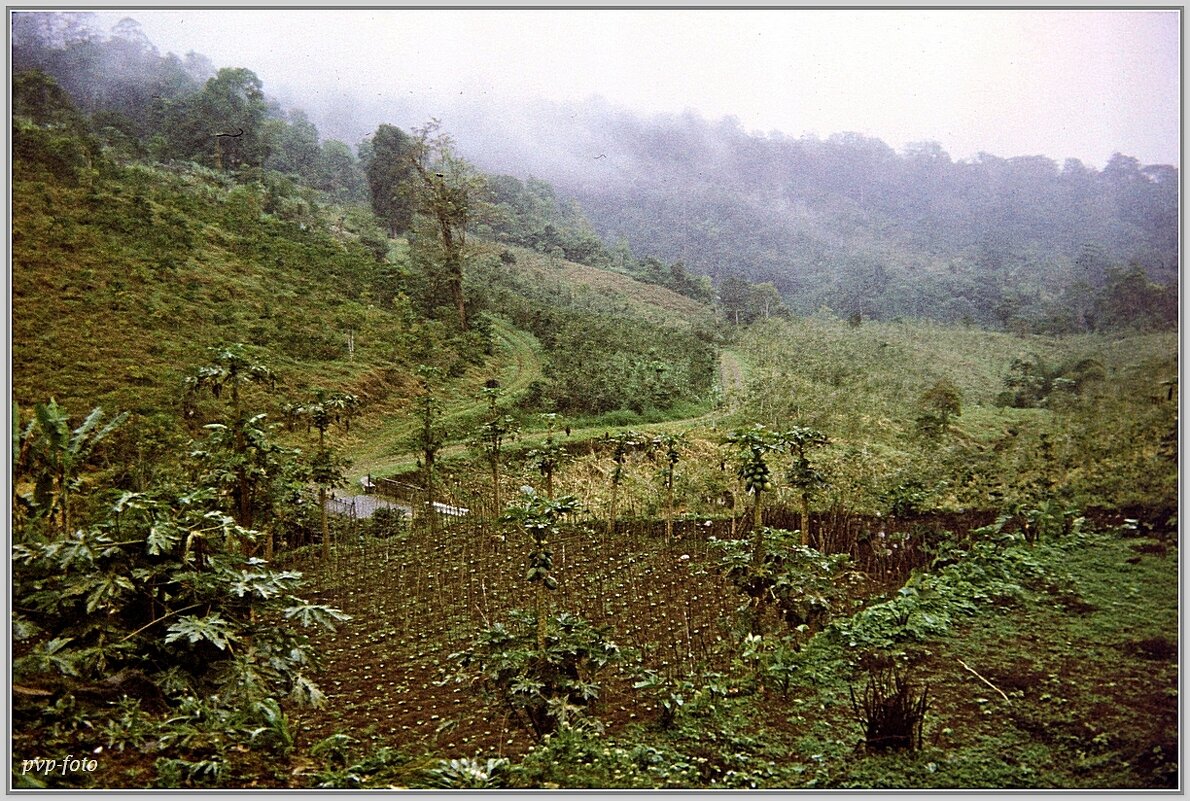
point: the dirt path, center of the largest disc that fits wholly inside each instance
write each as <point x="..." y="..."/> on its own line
<point x="731" y="376"/>
<point x="518" y="364"/>
<point x="525" y="367"/>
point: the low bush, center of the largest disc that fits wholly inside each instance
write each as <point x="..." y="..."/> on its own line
<point x="547" y="689"/>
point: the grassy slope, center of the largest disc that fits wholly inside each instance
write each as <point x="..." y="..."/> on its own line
<point x="383" y="444"/>
<point x="862" y="387"/>
<point x="119" y="288"/>
<point x="117" y="292"/>
<point x="888" y="365"/>
<point x="612" y="289"/>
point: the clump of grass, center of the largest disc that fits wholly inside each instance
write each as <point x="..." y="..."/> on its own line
<point x="891" y="709"/>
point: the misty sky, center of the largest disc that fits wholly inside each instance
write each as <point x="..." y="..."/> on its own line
<point x="1060" y="83"/>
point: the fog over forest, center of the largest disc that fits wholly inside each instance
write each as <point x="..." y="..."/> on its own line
<point x="840" y="220"/>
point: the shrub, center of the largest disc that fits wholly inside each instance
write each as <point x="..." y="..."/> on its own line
<point x="155" y="601"/>
<point x="388" y="521"/>
<point x="545" y="689"/>
<point x="809" y="587"/>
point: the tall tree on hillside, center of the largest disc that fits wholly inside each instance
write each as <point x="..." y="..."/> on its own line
<point x="766" y="300"/>
<point x="389" y="169"/>
<point x="735" y="296"/>
<point x="1131" y="300"/>
<point x="293" y="145"/>
<point x="447" y="191"/>
<point x="338" y="172"/>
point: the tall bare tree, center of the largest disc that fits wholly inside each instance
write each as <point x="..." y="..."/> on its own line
<point x="447" y="190"/>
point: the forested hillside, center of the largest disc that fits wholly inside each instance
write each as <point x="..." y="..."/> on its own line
<point x="849" y="223"/>
<point x="846" y="222"/>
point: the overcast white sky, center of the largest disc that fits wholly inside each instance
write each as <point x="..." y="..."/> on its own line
<point x="1060" y="83"/>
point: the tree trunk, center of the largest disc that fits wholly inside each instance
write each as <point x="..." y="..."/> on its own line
<point x="456" y="291"/>
<point x="496" y="484"/>
<point x="431" y="512"/>
<point x="757" y="531"/>
<point x="805" y="520"/>
<point x="541" y="616"/>
<point x="454" y="268"/>
<point x="326" y="534"/>
<point x="64" y="502"/>
<point x="611" y="515"/>
<point x="669" y="508"/>
<point x="245" y="512"/>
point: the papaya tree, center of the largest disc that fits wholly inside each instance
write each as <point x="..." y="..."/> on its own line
<point x="496" y="427"/>
<point x="243" y="462"/>
<point x="429" y="436"/>
<point x="119" y="602"/>
<point x="752" y="448"/>
<point x="667" y="445"/>
<point x="326" y="468"/>
<point x="230" y="370"/>
<point x="802" y="475"/>
<point x="52" y="455"/>
<point x="539" y="517"/>
<point x="623" y="444"/>
<point x="547" y="458"/>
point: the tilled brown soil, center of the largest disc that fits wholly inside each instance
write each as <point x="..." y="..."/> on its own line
<point x="414" y="601"/>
